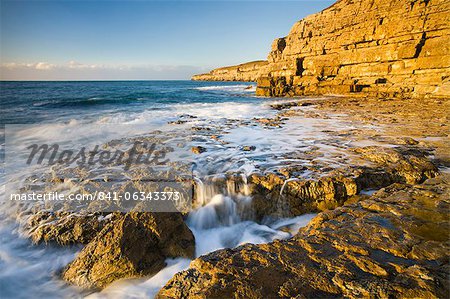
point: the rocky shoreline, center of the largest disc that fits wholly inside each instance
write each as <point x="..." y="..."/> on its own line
<point x="391" y="243"/>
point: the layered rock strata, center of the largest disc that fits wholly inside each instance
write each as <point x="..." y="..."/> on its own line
<point x="394" y="244"/>
<point x="362" y="47"/>
<point x="249" y="71"/>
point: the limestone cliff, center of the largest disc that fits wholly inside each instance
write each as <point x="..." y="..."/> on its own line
<point x="249" y="71"/>
<point x="364" y="47"/>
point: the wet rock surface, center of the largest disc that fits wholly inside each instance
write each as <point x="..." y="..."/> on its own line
<point x="131" y="245"/>
<point x="292" y="196"/>
<point x="64" y="228"/>
<point x="394" y="244"/>
<point x="198" y="149"/>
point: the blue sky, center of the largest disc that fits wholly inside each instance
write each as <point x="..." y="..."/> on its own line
<point x="65" y="40"/>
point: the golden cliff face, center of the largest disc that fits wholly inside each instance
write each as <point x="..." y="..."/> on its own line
<point x="249" y="71"/>
<point x="362" y="47"/>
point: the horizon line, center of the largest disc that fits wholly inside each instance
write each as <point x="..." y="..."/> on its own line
<point x="96" y="80"/>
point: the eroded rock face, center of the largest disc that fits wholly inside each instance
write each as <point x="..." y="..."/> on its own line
<point x="133" y="245"/>
<point x="249" y="71"/>
<point x="394" y="244"/>
<point x="363" y="47"/>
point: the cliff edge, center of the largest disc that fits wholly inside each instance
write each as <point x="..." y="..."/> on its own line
<point x="357" y="47"/>
<point x="249" y="71"/>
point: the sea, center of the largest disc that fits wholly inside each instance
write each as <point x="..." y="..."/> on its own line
<point x="48" y="108"/>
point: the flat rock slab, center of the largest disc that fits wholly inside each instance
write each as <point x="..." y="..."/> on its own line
<point x="394" y="244"/>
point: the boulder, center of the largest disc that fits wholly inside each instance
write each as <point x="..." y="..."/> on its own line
<point x="133" y="245"/>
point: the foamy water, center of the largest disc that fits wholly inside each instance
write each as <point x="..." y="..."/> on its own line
<point x="220" y="219"/>
<point x="28" y="270"/>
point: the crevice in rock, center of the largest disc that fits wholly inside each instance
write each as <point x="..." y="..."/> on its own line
<point x="420" y="45"/>
<point x="358" y="87"/>
<point x="300" y="67"/>
<point x="381" y="81"/>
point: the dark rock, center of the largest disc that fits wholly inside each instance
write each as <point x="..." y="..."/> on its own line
<point x="198" y="149"/>
<point x="248" y="148"/>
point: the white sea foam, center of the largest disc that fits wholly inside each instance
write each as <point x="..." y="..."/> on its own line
<point x="229" y="88"/>
<point x="28" y="270"/>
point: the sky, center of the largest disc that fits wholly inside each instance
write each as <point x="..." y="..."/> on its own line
<point x="138" y="40"/>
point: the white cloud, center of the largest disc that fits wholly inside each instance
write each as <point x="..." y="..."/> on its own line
<point x="77" y="65"/>
<point x="36" y="66"/>
<point x="44" y="66"/>
<point x="74" y="70"/>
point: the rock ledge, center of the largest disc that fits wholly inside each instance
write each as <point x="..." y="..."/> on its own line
<point x="394" y="244"/>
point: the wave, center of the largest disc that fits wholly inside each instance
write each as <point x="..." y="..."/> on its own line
<point x="228" y="88"/>
<point x="117" y="100"/>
